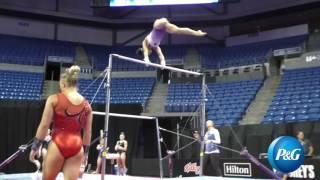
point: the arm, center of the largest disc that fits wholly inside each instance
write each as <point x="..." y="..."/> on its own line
<point x="217" y="136"/>
<point x="161" y="56"/>
<point x="122" y="148"/>
<point x="87" y="130"/>
<point x="101" y="134"/>
<point x="87" y="138"/>
<point x="145" y="50"/>
<point x="47" y="117"/>
<point x="311" y="149"/>
<point x="173" y="29"/>
<point x="43" y="126"/>
<point x="206" y="141"/>
<point x="125" y="146"/>
<point x="116" y="147"/>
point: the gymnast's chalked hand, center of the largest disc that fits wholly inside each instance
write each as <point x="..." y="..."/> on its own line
<point x="146" y="59"/>
<point x="38" y="164"/>
<point x="162" y="63"/>
<point x="82" y="169"/>
<point x="32" y="155"/>
<point x="35" y="154"/>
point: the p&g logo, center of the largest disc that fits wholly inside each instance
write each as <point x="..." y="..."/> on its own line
<point x="283" y="154"/>
<point x="286" y="154"/>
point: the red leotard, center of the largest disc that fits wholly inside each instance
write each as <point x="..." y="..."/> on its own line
<point x="68" y="121"/>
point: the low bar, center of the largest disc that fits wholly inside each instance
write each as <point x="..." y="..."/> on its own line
<point x="156" y="65"/>
<point x="124" y="115"/>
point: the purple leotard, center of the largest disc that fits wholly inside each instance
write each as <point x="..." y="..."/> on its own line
<point x="155" y="36"/>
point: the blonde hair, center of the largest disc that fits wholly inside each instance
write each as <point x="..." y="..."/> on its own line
<point x="71" y="75"/>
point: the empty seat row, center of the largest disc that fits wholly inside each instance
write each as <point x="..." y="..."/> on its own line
<point x="296" y="100"/>
<point x="123" y="90"/>
<point x="220" y="106"/>
<point x="28" y="87"/>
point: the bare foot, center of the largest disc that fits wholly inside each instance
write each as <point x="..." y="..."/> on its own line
<point x="201" y="33"/>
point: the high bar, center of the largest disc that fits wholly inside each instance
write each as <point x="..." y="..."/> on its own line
<point x="156" y="65"/>
<point x="123" y="115"/>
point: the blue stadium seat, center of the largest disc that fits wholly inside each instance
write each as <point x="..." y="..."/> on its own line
<point x="278" y="119"/>
<point x="298" y="94"/>
<point x="20" y="85"/>
<point x="29" y="51"/>
<point x="124" y="90"/>
<point x="302" y="117"/>
<point x="227" y="102"/>
<point x="290" y="118"/>
<point x="255" y="53"/>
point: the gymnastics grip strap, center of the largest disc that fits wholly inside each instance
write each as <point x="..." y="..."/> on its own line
<point x="36" y="144"/>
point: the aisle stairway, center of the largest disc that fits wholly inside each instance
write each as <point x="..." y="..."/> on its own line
<point x="263" y="100"/>
<point x="157" y="100"/>
<point x="49" y="87"/>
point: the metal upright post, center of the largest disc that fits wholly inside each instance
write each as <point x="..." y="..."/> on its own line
<point x="178" y="137"/>
<point x="106" y="119"/>
<point x="159" y="149"/>
<point x="203" y="121"/>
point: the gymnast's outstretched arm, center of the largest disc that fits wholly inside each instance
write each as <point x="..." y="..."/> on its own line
<point x="145" y="50"/>
<point x="161" y="56"/>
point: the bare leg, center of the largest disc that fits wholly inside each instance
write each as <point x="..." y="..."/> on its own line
<point x="123" y="162"/>
<point x="98" y="170"/>
<point x="53" y="162"/>
<point x="173" y="29"/>
<point x="71" y="169"/>
<point x="119" y="166"/>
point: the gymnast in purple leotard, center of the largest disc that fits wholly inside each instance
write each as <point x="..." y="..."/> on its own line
<point x="160" y="28"/>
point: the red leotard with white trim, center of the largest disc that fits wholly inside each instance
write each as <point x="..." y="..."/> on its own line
<point x="68" y="121"/>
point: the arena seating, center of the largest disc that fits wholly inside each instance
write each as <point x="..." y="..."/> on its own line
<point x="255" y="53"/>
<point x="173" y="52"/>
<point x="297" y="98"/>
<point x="227" y="102"/>
<point x="20" y="85"/>
<point x="29" y="51"/>
<point x="99" y="55"/>
<point x="290" y="42"/>
<point x="130" y="51"/>
<point x="124" y="90"/>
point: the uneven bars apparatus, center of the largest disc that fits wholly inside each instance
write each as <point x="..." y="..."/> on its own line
<point x="108" y="114"/>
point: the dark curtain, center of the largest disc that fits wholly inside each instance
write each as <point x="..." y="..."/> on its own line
<point x="20" y="119"/>
<point x="18" y="123"/>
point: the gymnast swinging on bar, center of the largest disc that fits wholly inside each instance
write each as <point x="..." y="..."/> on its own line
<point x="161" y="27"/>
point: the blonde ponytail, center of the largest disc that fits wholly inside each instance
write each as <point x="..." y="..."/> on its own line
<point x="71" y="76"/>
